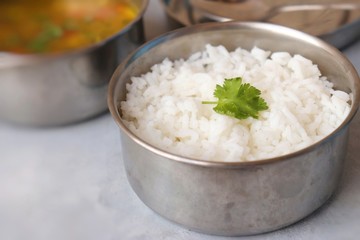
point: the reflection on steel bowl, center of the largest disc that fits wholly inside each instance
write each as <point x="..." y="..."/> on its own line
<point x="335" y="21"/>
<point x="235" y="198"/>
<point x="48" y="89"/>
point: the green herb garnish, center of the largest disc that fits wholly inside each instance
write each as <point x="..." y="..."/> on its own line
<point x="49" y="32"/>
<point x="238" y="100"/>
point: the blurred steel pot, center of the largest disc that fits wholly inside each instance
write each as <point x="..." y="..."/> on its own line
<point x="243" y="197"/>
<point x="48" y="90"/>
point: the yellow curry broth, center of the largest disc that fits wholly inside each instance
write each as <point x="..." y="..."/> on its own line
<point x="57" y="26"/>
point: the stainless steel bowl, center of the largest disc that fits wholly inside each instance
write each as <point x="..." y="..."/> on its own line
<point x="238" y="198"/>
<point x="335" y="21"/>
<point x="48" y="90"/>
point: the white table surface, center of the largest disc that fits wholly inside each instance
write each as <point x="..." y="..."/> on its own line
<point x="69" y="183"/>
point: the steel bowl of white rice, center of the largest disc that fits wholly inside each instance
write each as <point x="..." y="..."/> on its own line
<point x="218" y="174"/>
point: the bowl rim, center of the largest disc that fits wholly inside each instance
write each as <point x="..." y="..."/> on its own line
<point x="15" y="59"/>
<point x="214" y="26"/>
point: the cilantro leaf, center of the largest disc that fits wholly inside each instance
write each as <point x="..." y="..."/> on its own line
<point x="50" y="31"/>
<point x="238" y="100"/>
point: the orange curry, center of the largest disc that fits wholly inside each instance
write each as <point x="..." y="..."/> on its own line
<point x="60" y="25"/>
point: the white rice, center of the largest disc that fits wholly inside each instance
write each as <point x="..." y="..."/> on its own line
<point x="164" y="107"/>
